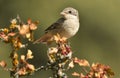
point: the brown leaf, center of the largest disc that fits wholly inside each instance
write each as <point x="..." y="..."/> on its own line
<point x="13" y="24"/>
<point x="101" y="70"/>
<point x="3" y="36"/>
<point x="30" y="67"/>
<point x="71" y="64"/>
<point x="22" y="71"/>
<point x="17" y="43"/>
<point x="32" y="25"/>
<point x="24" y="29"/>
<point x="3" y="64"/>
<point x="13" y="21"/>
<point x="5" y="30"/>
<point x="76" y="74"/>
<point x="22" y="58"/>
<point x="52" y="50"/>
<point x="29" y="21"/>
<point x="28" y="35"/>
<point x="110" y="72"/>
<point x="29" y="54"/>
<point x="15" y="62"/>
<point x="81" y="62"/>
<point x="15" y="56"/>
<point x="60" y="39"/>
<point x="12" y="34"/>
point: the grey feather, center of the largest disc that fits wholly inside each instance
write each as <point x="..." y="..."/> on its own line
<point x="55" y="25"/>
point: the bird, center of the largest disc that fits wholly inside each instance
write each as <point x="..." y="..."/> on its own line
<point x="66" y="26"/>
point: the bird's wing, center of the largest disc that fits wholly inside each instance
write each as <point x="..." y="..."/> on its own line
<point x="55" y="25"/>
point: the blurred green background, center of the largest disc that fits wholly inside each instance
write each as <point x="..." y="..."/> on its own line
<point x="98" y="39"/>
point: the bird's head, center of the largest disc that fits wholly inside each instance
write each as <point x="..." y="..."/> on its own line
<point x="69" y="13"/>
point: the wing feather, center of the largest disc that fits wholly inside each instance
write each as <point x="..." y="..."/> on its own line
<point x="55" y="25"/>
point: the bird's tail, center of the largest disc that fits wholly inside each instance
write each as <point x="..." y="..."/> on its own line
<point x="37" y="41"/>
<point x="44" y="39"/>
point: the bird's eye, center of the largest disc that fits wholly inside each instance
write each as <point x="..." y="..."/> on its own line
<point x="70" y="12"/>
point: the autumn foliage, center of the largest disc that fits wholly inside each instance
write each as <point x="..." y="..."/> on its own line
<point x="60" y="57"/>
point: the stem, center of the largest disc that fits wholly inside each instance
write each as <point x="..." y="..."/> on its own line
<point x="16" y="74"/>
<point x="15" y="62"/>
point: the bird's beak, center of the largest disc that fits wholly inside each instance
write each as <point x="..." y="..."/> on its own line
<point x="63" y="13"/>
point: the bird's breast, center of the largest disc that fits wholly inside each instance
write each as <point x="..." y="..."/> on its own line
<point x="71" y="27"/>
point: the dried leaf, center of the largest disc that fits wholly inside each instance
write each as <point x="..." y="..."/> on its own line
<point x="71" y="64"/>
<point x="15" y="56"/>
<point x="57" y="37"/>
<point x="3" y="36"/>
<point x="29" y="21"/>
<point x="22" y="71"/>
<point x="22" y="57"/>
<point x="110" y="72"/>
<point x="15" y="62"/>
<point x="12" y="34"/>
<point x="52" y="50"/>
<point x="28" y="35"/>
<point x="3" y="64"/>
<point x="29" y="54"/>
<point x="33" y="25"/>
<point x="17" y="43"/>
<point x="60" y="72"/>
<point x="81" y="62"/>
<point x="76" y="74"/>
<point x="30" y="67"/>
<point x="5" y="30"/>
<point x="60" y="39"/>
<point x="102" y="70"/>
<point x="13" y="21"/>
<point x="24" y="29"/>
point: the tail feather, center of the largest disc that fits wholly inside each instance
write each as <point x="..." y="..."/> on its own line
<point x="44" y="39"/>
<point x="37" y="41"/>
